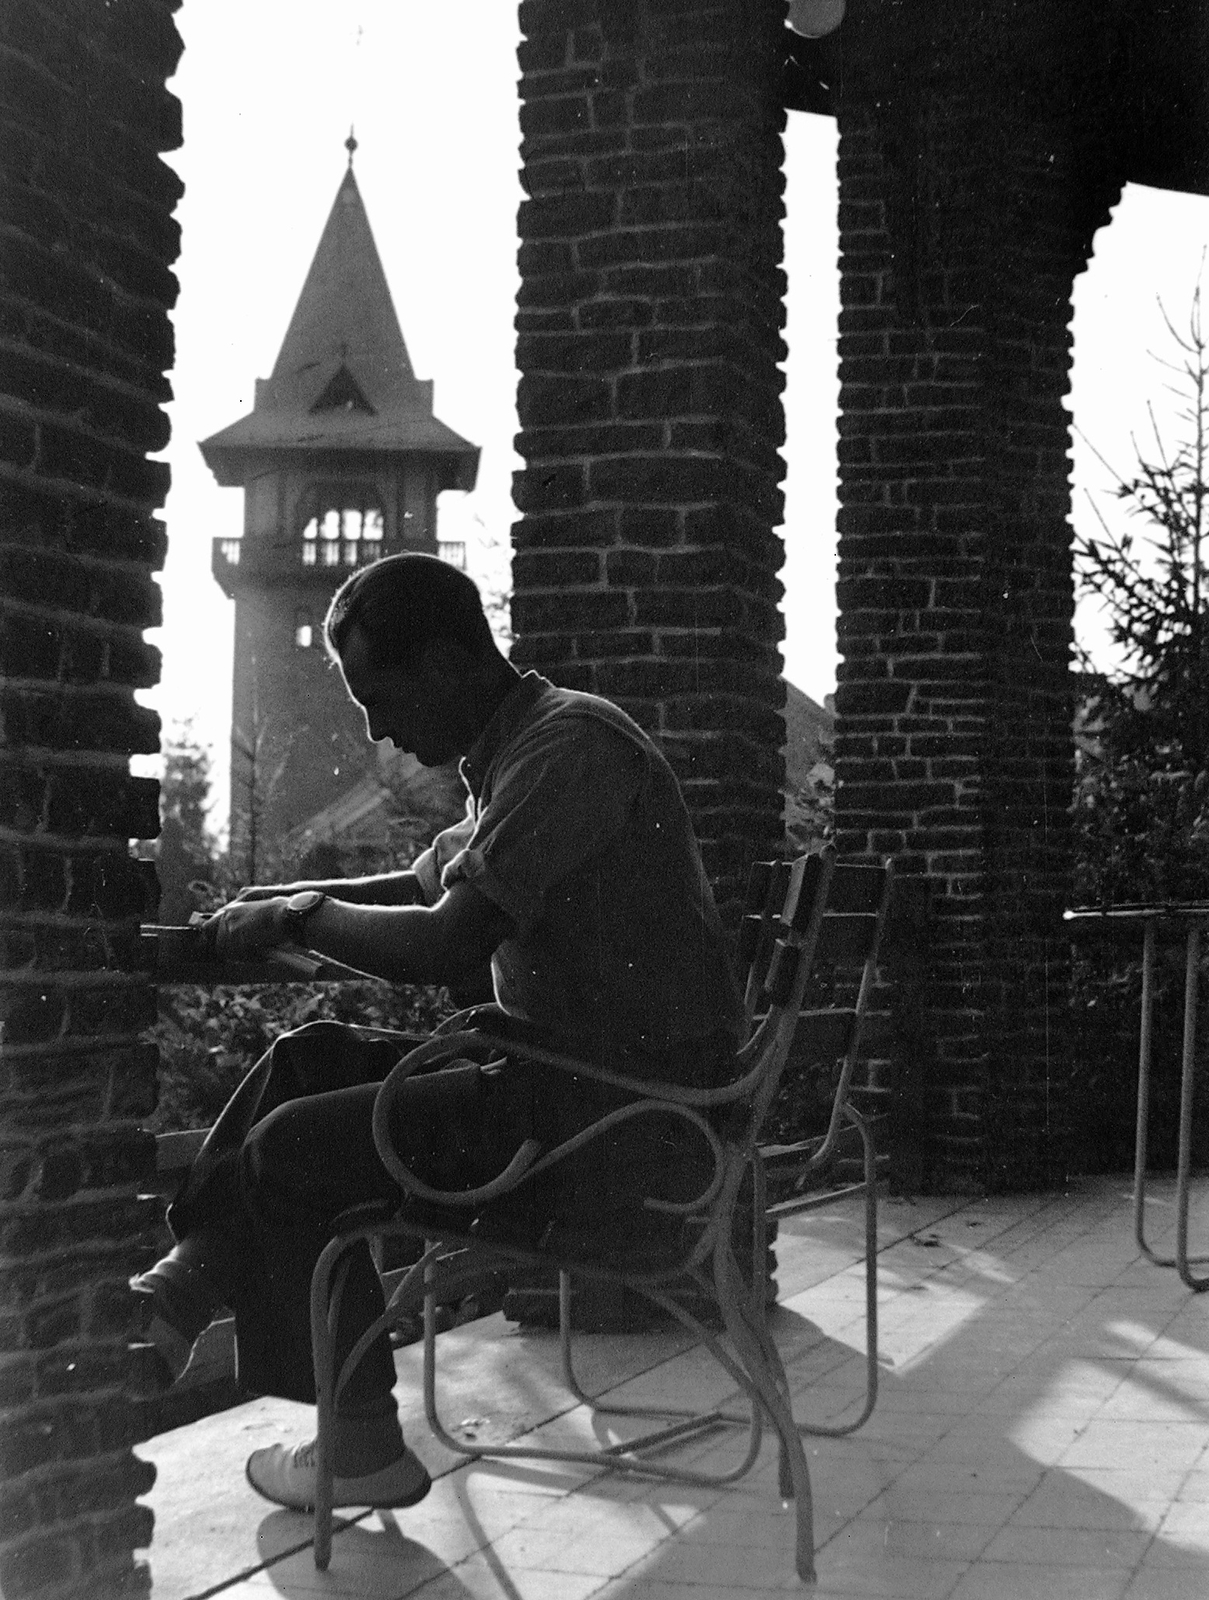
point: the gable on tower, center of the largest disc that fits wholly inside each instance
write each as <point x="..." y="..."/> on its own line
<point x="343" y="394"/>
<point x="343" y="379"/>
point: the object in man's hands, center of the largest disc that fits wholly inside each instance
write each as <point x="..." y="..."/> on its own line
<point x="187" y="955"/>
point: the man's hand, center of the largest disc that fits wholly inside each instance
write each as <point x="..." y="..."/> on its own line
<point x="247" y="928"/>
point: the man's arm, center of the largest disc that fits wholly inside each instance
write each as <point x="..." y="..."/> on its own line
<point x="384" y="889"/>
<point x="443" y="943"/>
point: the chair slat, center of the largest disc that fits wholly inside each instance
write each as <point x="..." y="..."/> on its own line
<point x="811" y="877"/>
<point x="782" y="972"/>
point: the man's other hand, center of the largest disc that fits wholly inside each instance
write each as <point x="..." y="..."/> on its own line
<point x="247" y="928"/>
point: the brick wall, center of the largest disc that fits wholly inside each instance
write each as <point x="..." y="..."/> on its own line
<point x="974" y="169"/>
<point x="86" y="243"/>
<point x="648" y="330"/>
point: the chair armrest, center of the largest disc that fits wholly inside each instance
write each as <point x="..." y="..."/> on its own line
<point x="649" y="1088"/>
<point x="526" y="1163"/>
<point x="511" y="1175"/>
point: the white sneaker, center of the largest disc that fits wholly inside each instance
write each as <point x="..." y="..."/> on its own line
<point x="285" y="1474"/>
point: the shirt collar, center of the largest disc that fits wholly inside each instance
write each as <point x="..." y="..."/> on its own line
<point x="506" y="720"/>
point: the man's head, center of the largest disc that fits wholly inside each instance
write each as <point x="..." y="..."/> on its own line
<point x="402" y="604"/>
<point x="417" y="654"/>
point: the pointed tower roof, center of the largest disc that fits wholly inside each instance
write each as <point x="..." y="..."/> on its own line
<point x="343" y="379"/>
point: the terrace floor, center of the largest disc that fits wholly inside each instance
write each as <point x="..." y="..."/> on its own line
<point x="1042" y="1431"/>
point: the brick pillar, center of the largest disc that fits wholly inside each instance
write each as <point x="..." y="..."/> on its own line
<point x="972" y="176"/>
<point x="648" y="327"/>
<point x="85" y="288"/>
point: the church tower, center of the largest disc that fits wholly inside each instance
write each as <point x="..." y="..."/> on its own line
<point x="341" y="461"/>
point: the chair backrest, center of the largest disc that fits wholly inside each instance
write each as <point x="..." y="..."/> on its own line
<point x="809" y="940"/>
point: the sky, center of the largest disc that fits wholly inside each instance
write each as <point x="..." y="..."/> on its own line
<point x="269" y="89"/>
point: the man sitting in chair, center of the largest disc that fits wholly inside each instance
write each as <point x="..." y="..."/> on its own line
<point x="574" y="873"/>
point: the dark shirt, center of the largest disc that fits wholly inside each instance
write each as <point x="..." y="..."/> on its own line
<point x="576" y="828"/>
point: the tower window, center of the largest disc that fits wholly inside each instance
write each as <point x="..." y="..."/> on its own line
<point x="342" y="525"/>
<point x="304" y="629"/>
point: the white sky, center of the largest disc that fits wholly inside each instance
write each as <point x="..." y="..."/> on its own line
<point x="269" y="88"/>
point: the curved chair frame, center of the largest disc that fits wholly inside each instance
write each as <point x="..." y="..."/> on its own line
<point x="780" y="937"/>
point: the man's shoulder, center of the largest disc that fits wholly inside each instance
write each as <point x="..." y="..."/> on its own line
<point x="574" y="712"/>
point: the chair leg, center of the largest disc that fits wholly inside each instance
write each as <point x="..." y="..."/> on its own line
<point x="795" y="1473"/>
<point x="325" y="1305"/>
<point x="327" y="1288"/>
<point x="872" y="1370"/>
<point x="688" y="1421"/>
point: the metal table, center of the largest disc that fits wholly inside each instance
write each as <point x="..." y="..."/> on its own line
<point x="1190" y="920"/>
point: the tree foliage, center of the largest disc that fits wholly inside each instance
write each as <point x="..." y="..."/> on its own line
<point x="1142" y="805"/>
<point x="209" y="1035"/>
<point x="1141" y="812"/>
<point x="188" y="861"/>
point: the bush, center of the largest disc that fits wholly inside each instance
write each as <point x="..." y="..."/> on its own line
<point x="208" y="1037"/>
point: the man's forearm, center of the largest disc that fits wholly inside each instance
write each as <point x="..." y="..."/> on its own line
<point x="384" y="889"/>
<point x="405" y="944"/>
<point x="401" y="943"/>
<point x="411" y="944"/>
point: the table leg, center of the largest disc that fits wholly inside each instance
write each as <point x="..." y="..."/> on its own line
<point x="1183" y="1176"/>
<point x="1142" y="1131"/>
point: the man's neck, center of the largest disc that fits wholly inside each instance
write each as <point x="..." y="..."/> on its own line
<point x="488" y="694"/>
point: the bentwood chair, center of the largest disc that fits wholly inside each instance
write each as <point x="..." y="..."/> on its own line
<point x="802" y="916"/>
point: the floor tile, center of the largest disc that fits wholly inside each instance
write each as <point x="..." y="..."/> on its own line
<point x="481" y="1578"/>
<point x="1007" y="1580"/>
<point x="1060" y="1501"/>
<point x="872" y="1538"/>
<point x="1078" y="1547"/>
<point x="1168" y="1583"/>
<point x="1162" y="1445"/>
<point x="693" y="1562"/>
<point x="905" y="1502"/>
<point x="892" y="1577"/>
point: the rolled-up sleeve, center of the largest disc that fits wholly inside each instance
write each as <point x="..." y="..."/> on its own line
<point x="430" y="865"/>
<point x="567" y="789"/>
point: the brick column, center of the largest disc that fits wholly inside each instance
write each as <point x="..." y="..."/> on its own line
<point x="973" y="172"/>
<point x="85" y="288"/>
<point x="648" y="327"/>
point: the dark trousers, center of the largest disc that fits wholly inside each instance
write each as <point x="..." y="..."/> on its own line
<point x="293" y="1149"/>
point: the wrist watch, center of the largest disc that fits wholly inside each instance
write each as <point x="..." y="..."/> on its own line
<point x="299" y="908"/>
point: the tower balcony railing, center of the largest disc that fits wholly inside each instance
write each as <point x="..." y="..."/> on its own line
<point x="339" y="552"/>
<point x="233" y="560"/>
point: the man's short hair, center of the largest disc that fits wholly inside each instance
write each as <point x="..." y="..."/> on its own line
<point x="404" y="603"/>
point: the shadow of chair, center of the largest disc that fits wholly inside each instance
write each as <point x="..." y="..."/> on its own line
<point x="809" y="943"/>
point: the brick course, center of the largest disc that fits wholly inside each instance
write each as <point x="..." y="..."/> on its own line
<point x="648" y="337"/>
<point x="87" y="243"/>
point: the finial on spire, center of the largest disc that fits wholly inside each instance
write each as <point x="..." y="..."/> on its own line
<point x="350" y="144"/>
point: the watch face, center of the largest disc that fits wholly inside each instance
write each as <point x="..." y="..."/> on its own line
<point x="304" y="902"/>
